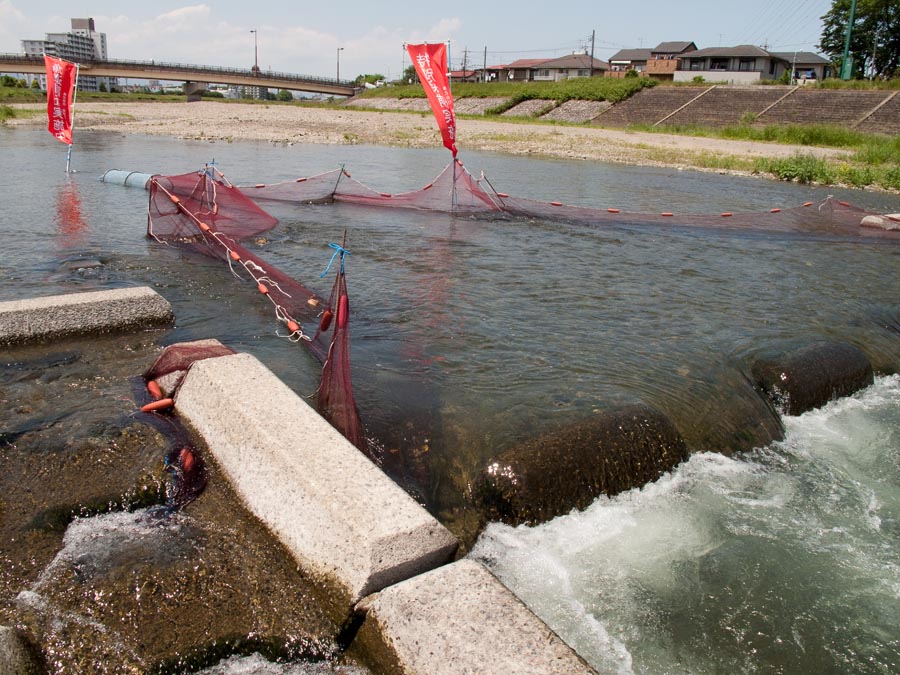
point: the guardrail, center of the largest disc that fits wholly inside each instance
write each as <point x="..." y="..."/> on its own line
<point x="163" y="66"/>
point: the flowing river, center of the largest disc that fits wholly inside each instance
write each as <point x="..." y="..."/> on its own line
<point x="470" y="336"/>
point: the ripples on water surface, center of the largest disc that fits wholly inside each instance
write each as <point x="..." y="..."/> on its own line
<point x="470" y="335"/>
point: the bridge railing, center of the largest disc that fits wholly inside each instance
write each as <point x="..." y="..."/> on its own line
<point x="164" y="66"/>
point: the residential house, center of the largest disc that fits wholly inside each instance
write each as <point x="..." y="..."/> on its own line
<point x="807" y="67"/>
<point x="467" y="75"/>
<point x="665" y="59"/>
<point x="661" y="62"/>
<point x="522" y="70"/>
<point x="628" y="59"/>
<point x="572" y="65"/>
<point x="743" y="64"/>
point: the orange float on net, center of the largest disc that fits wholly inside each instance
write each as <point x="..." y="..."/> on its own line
<point x="325" y="323"/>
<point x="502" y="194"/>
<point x="774" y="210"/>
<point x="727" y="214"/>
<point x="807" y="203"/>
<point x="428" y="187"/>
<point x="346" y="173"/>
<point x="186" y="459"/>
<point x="385" y="194"/>
<point x="668" y="214"/>
<point x="234" y="255"/>
<point x="161" y="404"/>
<point x="260" y="185"/>
<point x="844" y="203"/>
<point x="301" y="180"/>
<point x="613" y="210"/>
<point x="262" y="288"/>
<point x="555" y="203"/>
<point x="204" y="227"/>
<point x="154" y="390"/>
<point x="293" y="326"/>
<point x="343" y="313"/>
<point x="174" y="199"/>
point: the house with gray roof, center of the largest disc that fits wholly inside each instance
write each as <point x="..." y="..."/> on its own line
<point x="807" y="67"/>
<point x="572" y="65"/>
<point x="743" y="64"/>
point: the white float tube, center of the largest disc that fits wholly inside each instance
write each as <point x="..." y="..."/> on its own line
<point x="126" y="178"/>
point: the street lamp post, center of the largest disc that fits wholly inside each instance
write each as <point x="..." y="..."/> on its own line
<point x="339" y="50"/>
<point x="255" y="53"/>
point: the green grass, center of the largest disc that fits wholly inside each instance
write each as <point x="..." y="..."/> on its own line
<point x="874" y="160"/>
<point x="583" y="88"/>
<point x="6" y="113"/>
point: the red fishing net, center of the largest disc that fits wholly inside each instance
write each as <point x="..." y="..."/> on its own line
<point x="455" y="190"/>
<point x="203" y="212"/>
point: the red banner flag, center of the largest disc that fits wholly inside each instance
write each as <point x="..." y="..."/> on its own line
<point x="61" y="76"/>
<point x="430" y="62"/>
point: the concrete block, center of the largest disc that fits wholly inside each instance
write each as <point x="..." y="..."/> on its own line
<point x="37" y="319"/>
<point x="335" y="511"/>
<point x="459" y="619"/>
<point x="15" y="656"/>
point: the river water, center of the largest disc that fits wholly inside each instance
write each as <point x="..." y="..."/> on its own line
<point x="470" y="336"/>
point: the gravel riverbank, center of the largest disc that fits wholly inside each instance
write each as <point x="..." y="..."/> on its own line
<point x="226" y="121"/>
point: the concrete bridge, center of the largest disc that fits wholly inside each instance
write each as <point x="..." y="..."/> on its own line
<point x="196" y="77"/>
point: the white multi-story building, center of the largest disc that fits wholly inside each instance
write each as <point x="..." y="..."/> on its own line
<point x="81" y="44"/>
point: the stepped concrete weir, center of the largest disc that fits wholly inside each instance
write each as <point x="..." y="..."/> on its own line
<point x="51" y="317"/>
<point x="358" y="533"/>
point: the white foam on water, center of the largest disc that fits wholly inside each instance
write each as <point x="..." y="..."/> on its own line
<point x="783" y="560"/>
<point x="256" y="664"/>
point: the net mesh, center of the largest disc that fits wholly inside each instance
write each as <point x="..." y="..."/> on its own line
<point x="203" y="212"/>
<point x="455" y="190"/>
<point x="335" y="395"/>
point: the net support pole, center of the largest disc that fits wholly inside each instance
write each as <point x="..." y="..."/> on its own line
<point x="74" y="97"/>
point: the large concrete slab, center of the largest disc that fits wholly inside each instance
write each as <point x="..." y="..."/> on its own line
<point x="50" y="317"/>
<point x="332" y="508"/>
<point x="459" y="619"/>
<point x="15" y="657"/>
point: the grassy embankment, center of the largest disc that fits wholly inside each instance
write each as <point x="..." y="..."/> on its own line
<point x="874" y="161"/>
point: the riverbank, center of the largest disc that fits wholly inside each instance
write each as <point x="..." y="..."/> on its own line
<point x="217" y="121"/>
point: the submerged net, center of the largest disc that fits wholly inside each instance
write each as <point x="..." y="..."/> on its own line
<point x="335" y="395"/>
<point x="455" y="190"/>
<point x="203" y="212"/>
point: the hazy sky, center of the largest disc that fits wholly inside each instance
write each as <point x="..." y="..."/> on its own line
<point x="304" y="37"/>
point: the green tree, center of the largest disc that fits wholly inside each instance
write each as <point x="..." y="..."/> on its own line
<point x="410" y="76"/>
<point x="7" y="81"/>
<point x="285" y="95"/>
<point x="874" y="40"/>
<point x="371" y="79"/>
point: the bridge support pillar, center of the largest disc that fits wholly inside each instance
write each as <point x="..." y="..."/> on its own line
<point x="193" y="90"/>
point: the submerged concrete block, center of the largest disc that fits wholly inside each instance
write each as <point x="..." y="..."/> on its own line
<point x="550" y="475"/>
<point x="15" y="656"/>
<point x="54" y="316"/>
<point x="802" y="378"/>
<point x="335" y="511"/>
<point x="459" y="619"/>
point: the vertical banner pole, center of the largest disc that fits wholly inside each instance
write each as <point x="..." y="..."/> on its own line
<point x="74" y="96"/>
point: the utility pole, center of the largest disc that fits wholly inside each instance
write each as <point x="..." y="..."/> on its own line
<point x="847" y="61"/>
<point x="593" y="35"/>
<point x="484" y="66"/>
